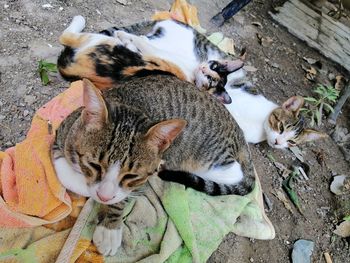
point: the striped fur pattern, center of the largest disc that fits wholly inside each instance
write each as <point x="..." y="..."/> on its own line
<point x="115" y="55"/>
<point x="153" y="125"/>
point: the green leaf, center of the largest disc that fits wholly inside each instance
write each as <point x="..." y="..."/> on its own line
<point x="329" y="107"/>
<point x="347" y="218"/>
<point x="51" y="67"/>
<point x="44" y="68"/>
<point x="44" y="77"/>
<point x="312" y="122"/>
<point x="288" y="187"/>
<point x="310" y="99"/>
<point x="318" y="117"/>
<point x="271" y="158"/>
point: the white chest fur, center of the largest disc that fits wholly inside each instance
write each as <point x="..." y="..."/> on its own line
<point x="250" y="112"/>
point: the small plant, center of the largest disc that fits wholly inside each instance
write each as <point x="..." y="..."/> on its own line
<point x="44" y="68"/>
<point x="326" y="97"/>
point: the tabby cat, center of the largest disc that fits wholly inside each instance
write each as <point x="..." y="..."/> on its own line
<point x="260" y="119"/>
<point x="170" y="47"/>
<point x="150" y="125"/>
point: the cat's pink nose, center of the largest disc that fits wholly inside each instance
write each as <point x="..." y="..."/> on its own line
<point x="104" y="198"/>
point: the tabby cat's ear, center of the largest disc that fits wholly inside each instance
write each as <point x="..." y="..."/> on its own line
<point x="164" y="133"/>
<point x="293" y="104"/>
<point x="95" y="113"/>
<point x="308" y="135"/>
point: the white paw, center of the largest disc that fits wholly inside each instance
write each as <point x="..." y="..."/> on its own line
<point x="123" y="36"/>
<point x="78" y="23"/>
<point x="127" y="40"/>
<point x="107" y="240"/>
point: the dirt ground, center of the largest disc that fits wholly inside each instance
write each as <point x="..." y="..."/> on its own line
<point x="29" y="32"/>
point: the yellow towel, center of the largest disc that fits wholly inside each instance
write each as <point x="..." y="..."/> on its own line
<point x="30" y="193"/>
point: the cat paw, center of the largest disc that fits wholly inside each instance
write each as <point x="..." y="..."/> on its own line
<point x="78" y="23"/>
<point x="107" y="240"/>
<point x="127" y="40"/>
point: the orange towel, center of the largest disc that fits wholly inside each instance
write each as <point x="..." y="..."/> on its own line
<point x="181" y="11"/>
<point x="30" y="193"/>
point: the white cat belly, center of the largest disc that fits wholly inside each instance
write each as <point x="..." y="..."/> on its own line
<point x="228" y="174"/>
<point x="177" y="44"/>
<point x="250" y="112"/>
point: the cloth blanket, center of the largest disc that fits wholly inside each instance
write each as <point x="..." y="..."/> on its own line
<point x="166" y="223"/>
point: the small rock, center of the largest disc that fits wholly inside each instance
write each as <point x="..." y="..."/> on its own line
<point x="264" y="41"/>
<point x="343" y="229"/>
<point x="6" y="6"/>
<point x="331" y="76"/>
<point x="47" y="6"/>
<point x="340" y="184"/>
<point x="257" y="24"/>
<point x="251" y="259"/>
<point x="310" y="60"/>
<point x="123" y="2"/>
<point x="25" y="113"/>
<point x="250" y="68"/>
<point x="29" y="99"/>
<point x="302" y="251"/>
<point x="275" y="65"/>
<point x="2" y="117"/>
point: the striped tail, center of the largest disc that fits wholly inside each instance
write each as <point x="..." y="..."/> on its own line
<point x="142" y="28"/>
<point x="209" y="187"/>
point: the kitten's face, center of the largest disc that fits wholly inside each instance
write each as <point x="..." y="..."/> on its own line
<point x="211" y="76"/>
<point x="285" y="126"/>
<point x="110" y="157"/>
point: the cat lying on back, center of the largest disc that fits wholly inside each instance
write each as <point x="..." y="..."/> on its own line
<point x="148" y="126"/>
<point x="260" y="119"/>
<point x="170" y="47"/>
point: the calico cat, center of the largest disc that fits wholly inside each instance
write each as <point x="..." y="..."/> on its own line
<point x="147" y="126"/>
<point x="260" y="119"/>
<point x="116" y="55"/>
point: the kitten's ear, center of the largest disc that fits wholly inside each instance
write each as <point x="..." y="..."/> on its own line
<point x="164" y="133"/>
<point x="228" y="66"/>
<point x="223" y="97"/>
<point x="293" y="104"/>
<point x="308" y="135"/>
<point x="225" y="67"/>
<point x="233" y="65"/>
<point x="95" y="113"/>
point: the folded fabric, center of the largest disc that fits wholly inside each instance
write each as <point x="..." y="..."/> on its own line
<point x="30" y="193"/>
<point x="173" y="224"/>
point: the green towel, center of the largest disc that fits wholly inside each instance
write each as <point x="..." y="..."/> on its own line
<point x="169" y="223"/>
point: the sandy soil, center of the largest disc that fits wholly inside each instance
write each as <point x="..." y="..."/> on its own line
<point x="29" y="32"/>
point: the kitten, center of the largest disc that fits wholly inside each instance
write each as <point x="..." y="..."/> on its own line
<point x="115" y="55"/>
<point x="152" y="125"/>
<point x="260" y="119"/>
